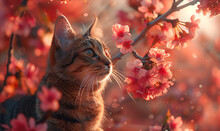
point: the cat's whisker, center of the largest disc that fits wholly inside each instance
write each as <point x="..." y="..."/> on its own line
<point x="119" y="76"/>
<point x="85" y="86"/>
<point x="83" y="83"/>
<point x="131" y="97"/>
<point x="119" y="73"/>
<point x="93" y="90"/>
<point x="107" y="37"/>
<point x="122" y="84"/>
<point x="83" y="26"/>
<point x="84" y="71"/>
<point x="117" y="80"/>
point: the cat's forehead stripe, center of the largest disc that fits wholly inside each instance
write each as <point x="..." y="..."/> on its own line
<point x="94" y="42"/>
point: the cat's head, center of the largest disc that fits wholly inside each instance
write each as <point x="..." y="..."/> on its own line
<point x="76" y="56"/>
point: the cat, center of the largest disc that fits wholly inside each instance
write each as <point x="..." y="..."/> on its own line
<point x="78" y="66"/>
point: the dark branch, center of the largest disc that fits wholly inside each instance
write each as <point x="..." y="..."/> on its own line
<point x="8" y="61"/>
<point x="152" y="23"/>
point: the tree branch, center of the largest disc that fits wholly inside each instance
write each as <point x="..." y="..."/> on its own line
<point x="8" y="61"/>
<point x="152" y="23"/>
<point x="143" y="59"/>
<point x="187" y="4"/>
<point x="23" y="4"/>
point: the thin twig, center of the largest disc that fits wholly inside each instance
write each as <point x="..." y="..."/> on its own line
<point x="23" y="4"/>
<point x="8" y="61"/>
<point x="155" y="21"/>
<point x="187" y="4"/>
<point x="143" y="59"/>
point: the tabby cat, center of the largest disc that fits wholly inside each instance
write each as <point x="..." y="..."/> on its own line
<point x="78" y="66"/>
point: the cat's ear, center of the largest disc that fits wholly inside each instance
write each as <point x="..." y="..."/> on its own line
<point x="90" y="31"/>
<point x="63" y="32"/>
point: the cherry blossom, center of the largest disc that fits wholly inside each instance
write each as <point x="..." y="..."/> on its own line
<point x="151" y="8"/>
<point x="31" y="77"/>
<point x="49" y="99"/>
<point x="175" y="123"/>
<point x="120" y="33"/>
<point x="20" y="25"/>
<point x="28" y="76"/>
<point x="16" y="65"/>
<point x="158" y="54"/>
<point x="125" y="46"/>
<point x="148" y="84"/>
<point x="164" y="72"/>
<point x="122" y="37"/>
<point x="134" y="68"/>
<point x="21" y="124"/>
<point x="185" y="32"/>
<point x="156" y="35"/>
<point x="212" y="6"/>
<point x="162" y="33"/>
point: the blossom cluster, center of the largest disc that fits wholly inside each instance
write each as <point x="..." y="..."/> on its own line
<point x="122" y="37"/>
<point x="23" y="80"/>
<point x="212" y="6"/>
<point x="20" y="25"/>
<point x="171" y="124"/>
<point x="49" y="99"/>
<point x="170" y="32"/>
<point x="150" y="80"/>
<point x="151" y="8"/>
<point x="48" y="102"/>
<point x="184" y="32"/>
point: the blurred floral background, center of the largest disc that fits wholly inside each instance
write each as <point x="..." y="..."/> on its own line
<point x="195" y="95"/>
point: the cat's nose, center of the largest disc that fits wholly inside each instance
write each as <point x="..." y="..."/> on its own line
<point x="108" y="64"/>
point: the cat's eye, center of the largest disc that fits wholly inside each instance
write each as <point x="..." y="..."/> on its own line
<point x="89" y="52"/>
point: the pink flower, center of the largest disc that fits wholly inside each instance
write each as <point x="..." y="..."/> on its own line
<point x="186" y="31"/>
<point x="21" y="26"/>
<point x="120" y="33"/>
<point x="155" y="128"/>
<point x="159" y="89"/>
<point x="151" y="8"/>
<point x="156" y="35"/>
<point x="175" y="124"/>
<point x="148" y="84"/>
<point x="125" y="46"/>
<point x="134" y="68"/>
<point x="49" y="99"/>
<point x="164" y="72"/>
<point x="21" y="124"/>
<point x="16" y="65"/>
<point x="25" y="23"/>
<point x="122" y="37"/>
<point x="212" y="6"/>
<point x="148" y="78"/>
<point x="158" y="54"/>
<point x="31" y="77"/>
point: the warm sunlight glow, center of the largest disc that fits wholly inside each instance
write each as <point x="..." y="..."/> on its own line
<point x="208" y="26"/>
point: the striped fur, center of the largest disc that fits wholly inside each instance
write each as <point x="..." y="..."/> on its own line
<point x="78" y="75"/>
